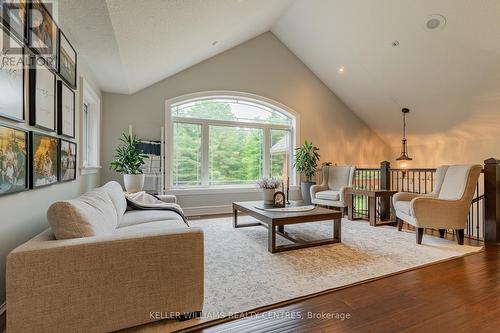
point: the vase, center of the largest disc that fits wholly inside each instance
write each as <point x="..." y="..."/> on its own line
<point x="269" y="196"/>
<point x="133" y="183"/>
<point x="305" y="189"/>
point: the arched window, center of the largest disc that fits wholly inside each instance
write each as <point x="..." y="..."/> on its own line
<point x="229" y="139"/>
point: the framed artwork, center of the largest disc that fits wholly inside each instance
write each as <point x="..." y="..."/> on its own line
<point x="14" y="18"/>
<point x="42" y="33"/>
<point x="279" y="199"/>
<point x="13" y="160"/>
<point x="65" y="110"/>
<point x="11" y="78"/>
<point x="67" y="61"/>
<point x="43" y="160"/>
<point x="42" y="97"/>
<point x="67" y="161"/>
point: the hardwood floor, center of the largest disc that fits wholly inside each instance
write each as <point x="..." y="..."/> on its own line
<point x="461" y="295"/>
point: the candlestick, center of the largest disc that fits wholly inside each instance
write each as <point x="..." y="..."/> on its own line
<point x="287" y="190"/>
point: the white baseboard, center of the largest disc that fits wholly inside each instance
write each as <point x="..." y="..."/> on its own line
<point x="207" y="210"/>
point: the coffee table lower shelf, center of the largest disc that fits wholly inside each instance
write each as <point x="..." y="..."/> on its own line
<point x="275" y="223"/>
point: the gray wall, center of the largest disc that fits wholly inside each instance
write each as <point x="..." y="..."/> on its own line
<point x="262" y="66"/>
<point x="22" y="215"/>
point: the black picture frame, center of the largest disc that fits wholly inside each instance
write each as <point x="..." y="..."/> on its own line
<point x="19" y="30"/>
<point x="34" y="159"/>
<point x="33" y="91"/>
<point x="5" y="34"/>
<point x="60" y="109"/>
<point x="48" y="54"/>
<point x="27" y="160"/>
<point x="71" y="82"/>
<point x="60" y="158"/>
<point x="279" y="199"/>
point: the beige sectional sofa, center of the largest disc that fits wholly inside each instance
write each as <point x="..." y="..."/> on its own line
<point x="101" y="268"/>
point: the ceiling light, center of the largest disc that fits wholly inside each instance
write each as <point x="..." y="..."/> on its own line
<point x="435" y="22"/>
<point x="341" y="70"/>
<point x="404" y="146"/>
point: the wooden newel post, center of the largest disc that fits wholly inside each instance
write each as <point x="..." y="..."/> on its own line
<point x="385" y="184"/>
<point x="492" y="200"/>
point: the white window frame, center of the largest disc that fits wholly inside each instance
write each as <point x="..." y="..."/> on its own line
<point x="205" y="123"/>
<point x="90" y="163"/>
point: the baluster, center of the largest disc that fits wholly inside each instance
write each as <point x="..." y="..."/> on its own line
<point x="425" y="181"/>
<point x="484" y="217"/>
<point x="419" y="181"/>
<point x="408" y="181"/>
<point x="477" y="210"/>
<point x="432" y="181"/>
<point x="413" y="185"/>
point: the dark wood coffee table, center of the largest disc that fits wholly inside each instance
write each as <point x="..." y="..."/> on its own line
<point x="273" y="220"/>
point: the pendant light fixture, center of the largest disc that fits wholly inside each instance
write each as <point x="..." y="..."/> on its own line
<point x="404" y="148"/>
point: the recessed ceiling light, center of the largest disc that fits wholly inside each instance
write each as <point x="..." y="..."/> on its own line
<point x="341" y="70"/>
<point x="215" y="42"/>
<point x="435" y="22"/>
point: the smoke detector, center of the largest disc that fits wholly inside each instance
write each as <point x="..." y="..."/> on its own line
<point x="435" y="22"/>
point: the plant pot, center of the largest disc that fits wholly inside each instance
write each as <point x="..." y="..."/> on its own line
<point x="305" y="190"/>
<point x="133" y="183"/>
<point x="268" y="195"/>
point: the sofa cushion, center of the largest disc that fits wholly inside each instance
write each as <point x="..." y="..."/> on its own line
<point x="152" y="226"/>
<point x="92" y="214"/>
<point x="135" y="217"/>
<point x="328" y="195"/>
<point x="116" y="194"/>
<point x="403" y="207"/>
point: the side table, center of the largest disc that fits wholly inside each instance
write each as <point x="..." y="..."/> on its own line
<point x="385" y="195"/>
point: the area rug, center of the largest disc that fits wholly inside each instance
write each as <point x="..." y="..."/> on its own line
<point x="241" y="275"/>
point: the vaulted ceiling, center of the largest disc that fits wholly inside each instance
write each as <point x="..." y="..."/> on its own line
<point x="449" y="77"/>
<point x="132" y="44"/>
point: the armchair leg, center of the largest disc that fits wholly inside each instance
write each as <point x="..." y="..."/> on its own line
<point x="420" y="235"/>
<point x="400" y="223"/>
<point x="460" y="236"/>
<point x="441" y="233"/>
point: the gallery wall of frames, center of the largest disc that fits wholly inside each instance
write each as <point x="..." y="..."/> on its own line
<point x="38" y="76"/>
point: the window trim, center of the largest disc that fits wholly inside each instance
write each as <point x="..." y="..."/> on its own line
<point x="193" y="97"/>
<point x="92" y="99"/>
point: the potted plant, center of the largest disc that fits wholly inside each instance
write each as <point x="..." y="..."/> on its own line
<point x="268" y="186"/>
<point x="306" y="162"/>
<point x="128" y="161"/>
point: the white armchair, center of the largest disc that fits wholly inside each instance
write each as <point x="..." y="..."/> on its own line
<point x="331" y="192"/>
<point x="446" y="207"/>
